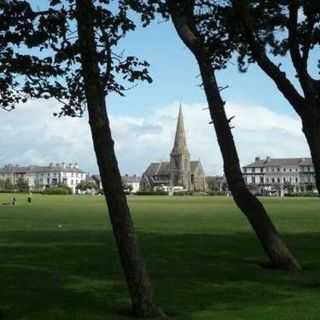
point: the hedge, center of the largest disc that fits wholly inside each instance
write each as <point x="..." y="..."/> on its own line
<point x="151" y="193"/>
<point x="58" y="190"/>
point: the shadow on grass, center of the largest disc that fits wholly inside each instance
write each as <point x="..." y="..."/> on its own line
<point x="76" y="275"/>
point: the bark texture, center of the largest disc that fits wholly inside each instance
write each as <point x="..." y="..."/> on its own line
<point x="311" y="129"/>
<point x="133" y="265"/>
<point x="276" y="249"/>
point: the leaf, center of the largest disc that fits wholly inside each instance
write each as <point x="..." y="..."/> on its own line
<point x="55" y="2"/>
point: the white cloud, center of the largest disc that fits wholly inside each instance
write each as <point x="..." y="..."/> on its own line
<point x="31" y="134"/>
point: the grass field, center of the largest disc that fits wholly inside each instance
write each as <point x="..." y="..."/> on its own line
<point x="58" y="260"/>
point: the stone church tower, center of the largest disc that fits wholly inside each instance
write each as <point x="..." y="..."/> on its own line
<point x="180" y="166"/>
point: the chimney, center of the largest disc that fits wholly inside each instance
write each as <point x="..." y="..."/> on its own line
<point x="257" y="159"/>
<point x="268" y="158"/>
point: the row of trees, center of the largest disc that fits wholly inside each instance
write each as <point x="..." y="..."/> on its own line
<point x="79" y="66"/>
<point x="21" y="185"/>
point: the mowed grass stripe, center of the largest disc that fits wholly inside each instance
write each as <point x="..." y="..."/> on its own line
<point x="58" y="259"/>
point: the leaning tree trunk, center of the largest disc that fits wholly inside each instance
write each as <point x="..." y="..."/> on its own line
<point x="273" y="245"/>
<point x="131" y="259"/>
<point x="311" y="129"/>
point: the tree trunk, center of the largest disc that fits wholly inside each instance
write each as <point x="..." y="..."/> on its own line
<point x="131" y="259"/>
<point x="270" y="239"/>
<point x="276" y="249"/>
<point x="311" y="129"/>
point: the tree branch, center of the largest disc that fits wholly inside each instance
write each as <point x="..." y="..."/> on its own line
<point x="259" y="54"/>
<point x="299" y="62"/>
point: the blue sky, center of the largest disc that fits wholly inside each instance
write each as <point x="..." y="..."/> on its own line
<point x="175" y="75"/>
<point x="143" y="122"/>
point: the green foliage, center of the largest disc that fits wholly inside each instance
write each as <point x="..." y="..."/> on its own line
<point x="87" y="185"/>
<point x="8" y="185"/>
<point x="183" y="193"/>
<point x="19" y="66"/>
<point x="56" y="72"/>
<point x="302" y="194"/>
<point x="152" y="193"/>
<point x="216" y="193"/>
<point x="22" y="185"/>
<point x="2" y="184"/>
<point x="58" y="190"/>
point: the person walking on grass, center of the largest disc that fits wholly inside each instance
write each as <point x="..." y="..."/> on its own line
<point x="29" y="197"/>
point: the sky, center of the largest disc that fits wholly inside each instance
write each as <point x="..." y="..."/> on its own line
<point x="143" y="122"/>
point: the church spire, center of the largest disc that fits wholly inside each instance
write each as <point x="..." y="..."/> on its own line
<point x="180" y="144"/>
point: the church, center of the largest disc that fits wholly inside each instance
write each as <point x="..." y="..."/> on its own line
<point x="179" y="172"/>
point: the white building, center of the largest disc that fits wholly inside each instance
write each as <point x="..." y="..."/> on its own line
<point x="41" y="177"/>
<point x="275" y="176"/>
<point x="131" y="183"/>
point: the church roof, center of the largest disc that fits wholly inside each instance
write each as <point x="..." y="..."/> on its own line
<point x="163" y="168"/>
<point x="158" y="168"/>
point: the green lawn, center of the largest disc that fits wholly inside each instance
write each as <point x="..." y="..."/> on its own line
<point x="58" y="260"/>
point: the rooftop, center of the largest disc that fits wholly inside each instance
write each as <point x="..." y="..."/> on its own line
<point x="58" y="167"/>
<point x="279" y="162"/>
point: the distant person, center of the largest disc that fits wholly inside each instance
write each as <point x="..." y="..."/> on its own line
<point x="14" y="201"/>
<point x="29" y="197"/>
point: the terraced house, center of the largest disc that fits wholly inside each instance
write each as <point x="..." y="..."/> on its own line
<point x="41" y="177"/>
<point x="284" y="175"/>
